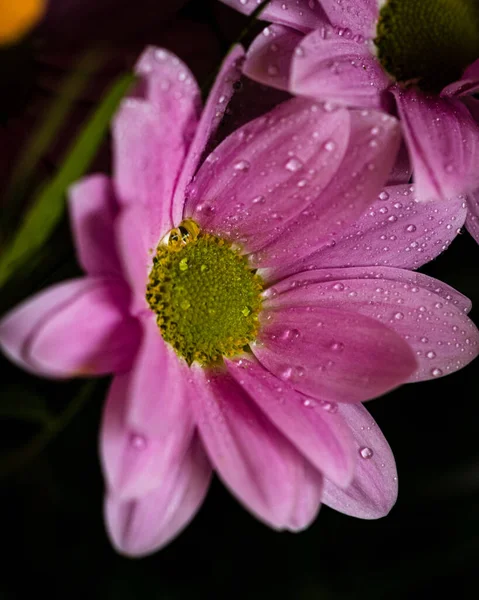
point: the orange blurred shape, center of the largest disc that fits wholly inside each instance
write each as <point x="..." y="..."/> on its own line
<point x="17" y="17"/>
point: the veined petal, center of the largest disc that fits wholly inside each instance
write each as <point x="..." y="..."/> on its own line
<point x="333" y="355"/>
<point x="211" y="116"/>
<point x="443" y="143"/>
<point x="92" y="211"/>
<point x="358" y="16"/>
<point x="418" y="308"/>
<point x="314" y="428"/>
<point x="302" y="15"/>
<point x="472" y="221"/>
<point x="140" y="526"/>
<point x="257" y="463"/>
<point x="269" y="57"/>
<point x="374" y="489"/>
<point x="329" y="67"/>
<point x="372" y="147"/>
<point x="147" y="425"/>
<point x="397" y="230"/>
<point x="81" y="327"/>
<point x="152" y="132"/>
<point x="266" y="172"/>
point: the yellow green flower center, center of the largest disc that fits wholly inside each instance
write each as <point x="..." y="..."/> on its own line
<point x="428" y="43"/>
<point x="206" y="296"/>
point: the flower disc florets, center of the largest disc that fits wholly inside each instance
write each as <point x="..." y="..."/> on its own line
<point x="428" y="42"/>
<point x="205" y="295"/>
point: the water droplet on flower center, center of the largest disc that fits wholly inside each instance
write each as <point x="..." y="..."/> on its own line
<point x="205" y="295"/>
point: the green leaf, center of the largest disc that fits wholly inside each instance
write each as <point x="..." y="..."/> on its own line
<point x="49" y="206"/>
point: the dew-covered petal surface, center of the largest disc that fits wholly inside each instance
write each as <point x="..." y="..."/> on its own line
<point x="269" y="170"/>
<point x="147" y="425"/>
<point x="330" y="67"/>
<point x="81" y="327"/>
<point x="313" y="427"/>
<point x="211" y="117"/>
<point x="372" y="147"/>
<point x="374" y="489"/>
<point x="443" y="143"/>
<point x="92" y="213"/>
<point x="472" y="221"/>
<point x="255" y="461"/>
<point x="396" y="230"/>
<point x="302" y="15"/>
<point x="269" y="57"/>
<point x="429" y="316"/>
<point x="332" y="354"/>
<point x="164" y="109"/>
<point x="352" y="16"/>
<point x="142" y="525"/>
<point x="468" y="84"/>
<point x="136" y="250"/>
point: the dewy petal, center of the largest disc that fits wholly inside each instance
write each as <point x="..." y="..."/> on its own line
<point x="333" y="355"/>
<point x="147" y="425"/>
<point x="372" y="147"/>
<point x="328" y="67"/>
<point x="468" y="84"/>
<point x="313" y="427"/>
<point x="152" y="134"/>
<point x="211" y="117"/>
<point x="374" y="489"/>
<point x="443" y="142"/>
<point x="80" y="327"/>
<point x="357" y="16"/>
<point x="397" y="230"/>
<point x="472" y="221"/>
<point x="92" y="212"/>
<point x="257" y="463"/>
<point x="302" y="15"/>
<point x="268" y="60"/>
<point x="422" y="310"/>
<point x="145" y="524"/>
<point x="266" y="172"/>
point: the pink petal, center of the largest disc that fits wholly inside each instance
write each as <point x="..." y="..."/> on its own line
<point x="418" y="308"/>
<point x="372" y="147"/>
<point x="443" y="142"/>
<point x="468" y="84"/>
<point x="147" y="425"/>
<point x="145" y="524"/>
<point x="472" y="221"/>
<point x="257" y="463"/>
<point x="80" y="327"/>
<point x="358" y="16"/>
<point x="402" y="171"/>
<point x="211" y="117"/>
<point x="136" y="252"/>
<point x="302" y="15"/>
<point x="265" y="173"/>
<point x="92" y="211"/>
<point x="269" y="56"/>
<point x="374" y="489"/>
<point x="152" y="135"/>
<point x="397" y="230"/>
<point x="328" y="67"/>
<point x="313" y="427"/>
<point x="331" y="354"/>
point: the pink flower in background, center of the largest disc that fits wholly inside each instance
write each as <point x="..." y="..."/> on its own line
<point x="334" y="51"/>
<point x="243" y="308"/>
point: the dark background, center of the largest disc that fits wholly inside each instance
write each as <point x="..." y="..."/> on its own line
<point x="51" y="490"/>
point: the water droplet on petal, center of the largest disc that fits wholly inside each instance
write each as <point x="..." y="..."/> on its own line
<point x="241" y="165"/>
<point x="138" y="442"/>
<point x="365" y="452"/>
<point x="431" y="354"/>
<point x="293" y="164"/>
<point x="436" y="372"/>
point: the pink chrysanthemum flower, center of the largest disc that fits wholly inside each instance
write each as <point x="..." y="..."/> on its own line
<point x="220" y="299"/>
<point x="416" y="59"/>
